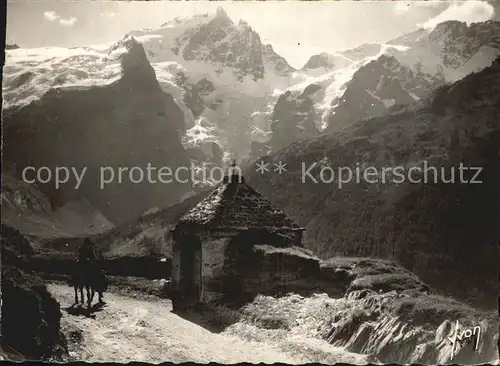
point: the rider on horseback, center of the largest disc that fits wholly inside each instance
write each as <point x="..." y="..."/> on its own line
<point x="90" y="261"/>
<point x="86" y="253"/>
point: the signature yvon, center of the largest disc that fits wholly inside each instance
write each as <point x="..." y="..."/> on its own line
<point x="464" y="336"/>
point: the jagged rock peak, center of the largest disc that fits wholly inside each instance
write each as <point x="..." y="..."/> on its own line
<point x="133" y="48"/>
<point x="129" y="41"/>
<point x="448" y="27"/>
<point x="221" y="13"/>
<point x="267" y="47"/>
<point x="455" y="27"/>
<point x="125" y="45"/>
<point x="135" y="64"/>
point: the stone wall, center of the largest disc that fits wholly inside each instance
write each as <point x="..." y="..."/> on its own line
<point x="278" y="271"/>
<point x="150" y="267"/>
<point x="234" y="270"/>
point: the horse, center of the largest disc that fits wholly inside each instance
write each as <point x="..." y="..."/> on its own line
<point x="85" y="275"/>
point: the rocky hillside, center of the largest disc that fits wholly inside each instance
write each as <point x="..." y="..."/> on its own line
<point x="127" y="122"/>
<point x="402" y="326"/>
<point x="26" y="209"/>
<point x="378" y="86"/>
<point x="445" y="233"/>
<point x="453" y="46"/>
<point x="149" y="234"/>
<point x="30" y="315"/>
<point x="293" y="118"/>
<point x="141" y="247"/>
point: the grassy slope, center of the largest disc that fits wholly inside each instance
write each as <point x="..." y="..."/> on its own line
<point x="393" y="319"/>
<point x="149" y="235"/>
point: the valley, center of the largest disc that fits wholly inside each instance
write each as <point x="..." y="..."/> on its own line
<point x="393" y="263"/>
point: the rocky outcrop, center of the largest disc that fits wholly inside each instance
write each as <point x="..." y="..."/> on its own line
<point x="258" y="149"/>
<point x="362" y="52"/>
<point x="128" y="123"/>
<point x="293" y="118"/>
<point x="443" y="232"/>
<point x="21" y="196"/>
<point x="458" y="41"/>
<point x="236" y="46"/>
<point x="378" y="86"/>
<point x="326" y="61"/>
<point x="403" y="322"/>
<point x="194" y="93"/>
<point x="26" y="209"/>
<point x="30" y="315"/>
<point x="275" y="61"/>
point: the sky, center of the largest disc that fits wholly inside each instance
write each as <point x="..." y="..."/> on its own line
<point x="296" y="30"/>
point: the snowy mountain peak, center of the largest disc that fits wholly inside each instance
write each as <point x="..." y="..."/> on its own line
<point x="454" y="31"/>
<point x="135" y="66"/>
<point x="386" y="61"/>
<point x="221" y="42"/>
<point x="215" y="40"/>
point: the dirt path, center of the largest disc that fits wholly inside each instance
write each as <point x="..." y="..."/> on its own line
<point x="128" y="329"/>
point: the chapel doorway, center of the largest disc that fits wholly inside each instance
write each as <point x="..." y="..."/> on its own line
<point x="191" y="268"/>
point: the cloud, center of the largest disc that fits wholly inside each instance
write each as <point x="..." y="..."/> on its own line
<point x="469" y="12"/>
<point x="68" y="22"/>
<point x="52" y="16"/>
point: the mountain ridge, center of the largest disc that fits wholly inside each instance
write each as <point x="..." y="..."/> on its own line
<point x="231" y="81"/>
<point x="210" y="102"/>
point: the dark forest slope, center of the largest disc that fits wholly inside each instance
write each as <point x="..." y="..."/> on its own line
<point x="445" y="233"/>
